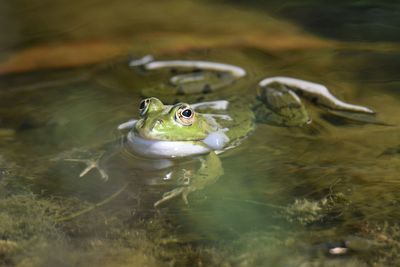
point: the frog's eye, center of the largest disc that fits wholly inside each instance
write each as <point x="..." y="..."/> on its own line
<point x="185" y="115"/>
<point x="143" y="106"/>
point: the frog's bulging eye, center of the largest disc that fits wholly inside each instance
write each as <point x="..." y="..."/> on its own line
<point x="143" y="106"/>
<point x="185" y="116"/>
<point x="187" y="113"/>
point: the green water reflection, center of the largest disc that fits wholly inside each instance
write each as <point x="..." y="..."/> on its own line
<point x="286" y="196"/>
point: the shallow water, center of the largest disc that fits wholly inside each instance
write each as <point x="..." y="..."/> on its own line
<point x="286" y="197"/>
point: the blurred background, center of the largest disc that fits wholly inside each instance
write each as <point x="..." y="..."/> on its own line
<point x="54" y="33"/>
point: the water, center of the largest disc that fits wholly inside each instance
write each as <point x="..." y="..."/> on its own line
<point x="287" y="196"/>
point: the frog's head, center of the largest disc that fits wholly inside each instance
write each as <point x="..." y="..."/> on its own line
<point x="177" y="122"/>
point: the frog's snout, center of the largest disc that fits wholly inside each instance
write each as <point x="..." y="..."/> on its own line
<point x="158" y="122"/>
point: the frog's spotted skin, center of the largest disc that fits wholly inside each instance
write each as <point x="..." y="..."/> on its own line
<point x="280" y="106"/>
<point x="316" y="92"/>
<point x="279" y="103"/>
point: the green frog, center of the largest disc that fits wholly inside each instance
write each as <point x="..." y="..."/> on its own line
<point x="201" y="131"/>
<point x="183" y="131"/>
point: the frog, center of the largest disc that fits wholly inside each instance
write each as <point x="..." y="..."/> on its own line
<point x="202" y="131"/>
<point x="188" y="131"/>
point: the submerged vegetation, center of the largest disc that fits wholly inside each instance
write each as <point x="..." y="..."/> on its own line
<point x="46" y="231"/>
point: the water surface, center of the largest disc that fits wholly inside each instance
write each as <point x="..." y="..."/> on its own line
<point x="287" y="195"/>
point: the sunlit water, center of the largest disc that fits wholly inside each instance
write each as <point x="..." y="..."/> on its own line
<point x="287" y="195"/>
